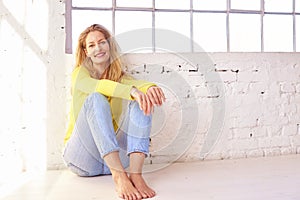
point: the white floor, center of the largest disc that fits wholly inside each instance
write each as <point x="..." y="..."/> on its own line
<point x="254" y="178"/>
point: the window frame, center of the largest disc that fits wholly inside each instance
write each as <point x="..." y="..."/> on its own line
<point x="69" y="7"/>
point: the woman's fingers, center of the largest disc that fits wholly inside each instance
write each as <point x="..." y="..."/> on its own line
<point x="147" y="105"/>
<point x="153" y="96"/>
<point x="144" y="103"/>
<point x="156" y="95"/>
<point x="147" y="101"/>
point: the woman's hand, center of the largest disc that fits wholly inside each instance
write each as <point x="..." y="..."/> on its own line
<point x="143" y="100"/>
<point x="156" y="95"/>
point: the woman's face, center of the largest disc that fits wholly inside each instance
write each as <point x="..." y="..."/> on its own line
<point x="97" y="48"/>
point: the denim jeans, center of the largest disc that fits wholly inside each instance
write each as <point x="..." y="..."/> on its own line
<point x="94" y="136"/>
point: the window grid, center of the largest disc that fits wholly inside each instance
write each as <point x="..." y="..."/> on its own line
<point x="228" y="11"/>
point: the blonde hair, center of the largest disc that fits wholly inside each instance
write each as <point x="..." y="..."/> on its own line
<point x="114" y="71"/>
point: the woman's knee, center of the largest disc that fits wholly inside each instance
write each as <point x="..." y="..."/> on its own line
<point x="97" y="99"/>
<point x="97" y="96"/>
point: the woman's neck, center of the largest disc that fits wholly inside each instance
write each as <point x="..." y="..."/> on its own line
<point x="100" y="68"/>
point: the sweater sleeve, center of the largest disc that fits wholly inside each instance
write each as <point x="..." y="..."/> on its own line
<point x="82" y="81"/>
<point x="142" y="85"/>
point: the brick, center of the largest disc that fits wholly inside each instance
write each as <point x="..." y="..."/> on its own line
<point x="255" y="153"/>
<point x="252" y="75"/>
<point x="288" y="150"/>
<point x="243" y="144"/>
<point x="295" y="140"/>
<point x="286" y="87"/>
<point x="228" y="76"/>
<point x="201" y="91"/>
<point x="249" y="132"/>
<point x="298" y="87"/>
<point x="258" y="88"/>
<point x="274" y="130"/>
<point x="238" y="87"/>
<point x="275" y="141"/>
<point x="241" y="133"/>
<point x="298" y="150"/>
<point x="290" y="129"/>
<point x="236" y="154"/>
<point x="272" y="152"/>
<point x="288" y="109"/>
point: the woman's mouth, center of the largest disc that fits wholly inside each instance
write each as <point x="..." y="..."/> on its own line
<point x="101" y="54"/>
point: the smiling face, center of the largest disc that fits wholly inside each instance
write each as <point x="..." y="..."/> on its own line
<point x="97" y="48"/>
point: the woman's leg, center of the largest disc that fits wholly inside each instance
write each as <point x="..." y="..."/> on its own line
<point x="137" y="127"/>
<point x="94" y="141"/>
<point x="83" y="150"/>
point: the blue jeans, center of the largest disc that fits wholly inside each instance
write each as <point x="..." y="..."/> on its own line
<point x="94" y="136"/>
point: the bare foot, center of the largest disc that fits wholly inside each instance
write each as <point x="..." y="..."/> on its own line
<point x="140" y="184"/>
<point x="124" y="187"/>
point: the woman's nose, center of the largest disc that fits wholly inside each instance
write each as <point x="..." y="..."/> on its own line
<point x="98" y="47"/>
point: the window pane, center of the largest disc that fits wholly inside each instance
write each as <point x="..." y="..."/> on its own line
<point x="83" y="19"/>
<point x="138" y="20"/>
<point x="130" y="20"/>
<point x="134" y="3"/>
<point x="210" y="31"/>
<point x="278" y="5"/>
<point x="210" y="4"/>
<point x="297" y="6"/>
<point x="298" y="33"/>
<point x="245" y="4"/>
<point x="244" y="32"/>
<point x="179" y="24"/>
<point x="92" y="3"/>
<point x="172" y="4"/>
<point x="278" y="33"/>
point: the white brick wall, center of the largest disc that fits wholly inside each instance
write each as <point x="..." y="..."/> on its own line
<point x="262" y="102"/>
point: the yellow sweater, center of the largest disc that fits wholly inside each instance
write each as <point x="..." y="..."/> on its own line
<point x="83" y="85"/>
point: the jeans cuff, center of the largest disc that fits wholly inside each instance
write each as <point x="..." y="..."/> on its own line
<point x="138" y="151"/>
<point x="108" y="152"/>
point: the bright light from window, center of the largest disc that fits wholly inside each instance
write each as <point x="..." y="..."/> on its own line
<point x="297" y="6"/>
<point x="11" y="105"/>
<point x="173" y="4"/>
<point x="211" y="29"/>
<point x="245" y="32"/>
<point x="134" y="3"/>
<point x="92" y="3"/>
<point x="298" y="34"/>
<point x="210" y="34"/>
<point x="177" y="22"/>
<point x="245" y="4"/>
<point x="210" y="4"/>
<point x="36" y="23"/>
<point x="23" y="140"/>
<point x="278" y="33"/>
<point x="128" y="21"/>
<point x="17" y="11"/>
<point x="278" y="5"/>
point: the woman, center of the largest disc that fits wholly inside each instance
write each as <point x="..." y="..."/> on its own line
<point x="104" y="136"/>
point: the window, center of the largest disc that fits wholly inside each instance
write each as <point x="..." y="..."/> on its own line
<point x="214" y="25"/>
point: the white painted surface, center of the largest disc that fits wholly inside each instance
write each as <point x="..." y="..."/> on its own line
<point x="273" y="178"/>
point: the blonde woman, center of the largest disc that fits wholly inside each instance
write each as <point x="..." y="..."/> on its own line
<point x="104" y="136"/>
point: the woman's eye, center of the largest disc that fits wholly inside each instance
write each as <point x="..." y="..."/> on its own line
<point x="91" y="45"/>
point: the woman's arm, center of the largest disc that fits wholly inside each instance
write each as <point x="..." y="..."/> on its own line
<point x="82" y="81"/>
